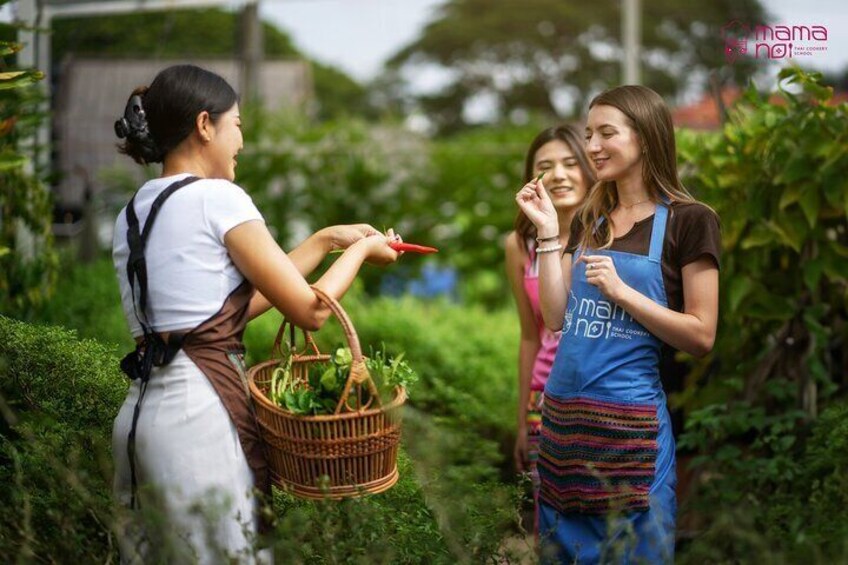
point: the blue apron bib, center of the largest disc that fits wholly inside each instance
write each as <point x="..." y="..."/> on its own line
<point x="606" y="459"/>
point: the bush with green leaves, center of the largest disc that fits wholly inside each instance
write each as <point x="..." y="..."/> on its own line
<point x="797" y="513"/>
<point x="60" y="395"/>
<point x="776" y="174"/>
<point x="456" y="194"/>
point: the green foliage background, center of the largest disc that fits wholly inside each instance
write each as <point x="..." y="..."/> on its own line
<point x="27" y="260"/>
<point x="456" y="194"/>
<point x="776" y="174"/>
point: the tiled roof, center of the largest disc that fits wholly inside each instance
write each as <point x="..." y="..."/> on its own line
<point x="704" y="114"/>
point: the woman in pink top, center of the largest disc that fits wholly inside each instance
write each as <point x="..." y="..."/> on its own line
<point x="557" y="153"/>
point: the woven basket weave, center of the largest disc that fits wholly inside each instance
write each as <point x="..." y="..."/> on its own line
<point x="347" y="454"/>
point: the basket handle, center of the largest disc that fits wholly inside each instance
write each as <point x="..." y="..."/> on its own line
<point x="276" y="349"/>
<point x="359" y="374"/>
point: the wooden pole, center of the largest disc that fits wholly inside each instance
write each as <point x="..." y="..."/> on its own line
<point x="631" y="28"/>
<point x="251" y="51"/>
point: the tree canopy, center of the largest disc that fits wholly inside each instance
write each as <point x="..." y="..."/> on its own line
<point x="549" y="56"/>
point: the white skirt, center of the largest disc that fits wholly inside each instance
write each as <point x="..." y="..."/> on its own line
<point x="188" y="452"/>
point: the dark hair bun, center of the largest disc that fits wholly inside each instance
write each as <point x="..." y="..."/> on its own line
<point x="159" y="117"/>
<point x="133" y="127"/>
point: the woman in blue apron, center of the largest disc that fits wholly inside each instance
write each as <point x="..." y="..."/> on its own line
<point x="640" y="273"/>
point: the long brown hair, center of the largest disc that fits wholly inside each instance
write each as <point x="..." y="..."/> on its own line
<point x="569" y="135"/>
<point x="651" y="119"/>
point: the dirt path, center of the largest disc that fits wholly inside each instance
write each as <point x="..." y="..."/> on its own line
<point x="518" y="550"/>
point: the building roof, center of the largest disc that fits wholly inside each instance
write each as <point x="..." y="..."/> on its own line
<point x="704" y="114"/>
<point x="54" y="8"/>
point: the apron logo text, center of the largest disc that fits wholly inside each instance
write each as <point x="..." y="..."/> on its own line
<point x="595" y="320"/>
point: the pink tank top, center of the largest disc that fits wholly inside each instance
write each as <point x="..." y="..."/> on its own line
<point x="549" y="340"/>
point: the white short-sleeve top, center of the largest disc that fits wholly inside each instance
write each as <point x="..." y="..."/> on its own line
<point x="189" y="271"/>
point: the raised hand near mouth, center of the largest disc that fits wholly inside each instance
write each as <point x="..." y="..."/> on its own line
<point x="534" y="201"/>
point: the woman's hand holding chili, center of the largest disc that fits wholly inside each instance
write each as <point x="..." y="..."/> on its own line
<point x="378" y="250"/>
<point x="600" y="272"/>
<point x="534" y="201"/>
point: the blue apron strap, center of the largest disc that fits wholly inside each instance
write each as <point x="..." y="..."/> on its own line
<point x="658" y="233"/>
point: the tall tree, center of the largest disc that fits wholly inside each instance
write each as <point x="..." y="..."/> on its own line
<point x="549" y="56"/>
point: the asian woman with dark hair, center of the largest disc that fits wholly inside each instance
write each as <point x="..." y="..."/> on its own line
<point x="195" y="263"/>
<point x="556" y="154"/>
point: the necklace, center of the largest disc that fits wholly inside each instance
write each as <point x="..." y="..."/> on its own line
<point x="626" y="207"/>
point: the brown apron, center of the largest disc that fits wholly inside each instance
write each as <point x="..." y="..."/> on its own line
<point x="216" y="348"/>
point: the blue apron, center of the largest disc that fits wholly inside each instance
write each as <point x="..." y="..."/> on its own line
<point x="606" y="460"/>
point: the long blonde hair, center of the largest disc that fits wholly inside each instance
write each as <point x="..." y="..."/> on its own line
<point x="651" y="119"/>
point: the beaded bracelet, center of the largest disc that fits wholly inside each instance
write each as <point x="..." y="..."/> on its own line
<point x="548" y="249"/>
<point x="542" y="239"/>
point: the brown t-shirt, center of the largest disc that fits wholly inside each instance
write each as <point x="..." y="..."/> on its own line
<point x="692" y="232"/>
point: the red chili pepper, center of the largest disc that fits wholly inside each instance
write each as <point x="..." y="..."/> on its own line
<point x="411" y="247"/>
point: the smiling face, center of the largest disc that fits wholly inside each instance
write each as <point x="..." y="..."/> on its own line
<point x="612" y="144"/>
<point x="564" y="179"/>
<point x="225" y="143"/>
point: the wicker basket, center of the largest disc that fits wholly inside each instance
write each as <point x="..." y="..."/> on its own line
<point x="347" y="454"/>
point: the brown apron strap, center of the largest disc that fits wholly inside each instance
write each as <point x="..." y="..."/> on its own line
<point x="224" y="367"/>
<point x="216" y="348"/>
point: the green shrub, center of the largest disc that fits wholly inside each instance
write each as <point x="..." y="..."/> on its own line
<point x="800" y="517"/>
<point x="89" y="301"/>
<point x="59" y="396"/>
<point x="393" y="527"/>
<point x="776" y="175"/>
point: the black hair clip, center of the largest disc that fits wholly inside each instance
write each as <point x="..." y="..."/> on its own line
<point x="134" y="121"/>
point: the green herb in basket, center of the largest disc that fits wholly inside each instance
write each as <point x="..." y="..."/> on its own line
<point x="302" y="401"/>
<point x="343" y="358"/>
<point x="389" y="372"/>
<point x="325" y="383"/>
<point x="280" y="382"/>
